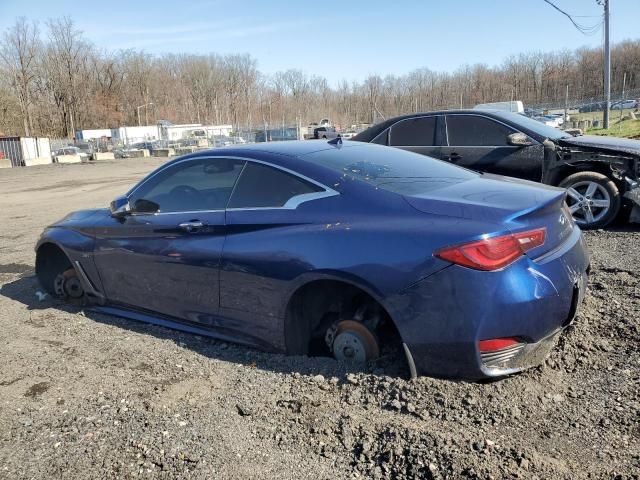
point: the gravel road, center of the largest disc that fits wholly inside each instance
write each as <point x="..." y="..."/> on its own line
<point x="86" y="395"/>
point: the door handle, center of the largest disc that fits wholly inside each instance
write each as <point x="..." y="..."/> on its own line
<point x="453" y="156"/>
<point x="191" y="226"/>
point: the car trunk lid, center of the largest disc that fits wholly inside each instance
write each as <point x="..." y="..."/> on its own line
<point x="517" y="205"/>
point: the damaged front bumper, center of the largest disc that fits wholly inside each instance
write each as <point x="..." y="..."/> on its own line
<point x="633" y="196"/>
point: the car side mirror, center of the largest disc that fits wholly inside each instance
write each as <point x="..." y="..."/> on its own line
<point x="120" y="207"/>
<point x="518" y="139"/>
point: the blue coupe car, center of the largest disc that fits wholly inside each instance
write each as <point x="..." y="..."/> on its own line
<point x="336" y="248"/>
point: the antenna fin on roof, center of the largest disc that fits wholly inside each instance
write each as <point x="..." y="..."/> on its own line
<point x="336" y="141"/>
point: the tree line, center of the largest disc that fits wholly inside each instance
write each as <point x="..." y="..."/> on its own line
<point x="54" y="81"/>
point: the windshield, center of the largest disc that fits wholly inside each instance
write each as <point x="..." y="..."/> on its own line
<point x="391" y="169"/>
<point x="533" y="125"/>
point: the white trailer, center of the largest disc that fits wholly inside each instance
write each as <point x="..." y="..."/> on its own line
<point x="24" y="151"/>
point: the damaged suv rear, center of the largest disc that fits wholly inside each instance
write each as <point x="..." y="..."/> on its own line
<point x="601" y="174"/>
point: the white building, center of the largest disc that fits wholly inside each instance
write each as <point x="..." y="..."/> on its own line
<point x="195" y="130"/>
<point x="130" y="135"/>
<point x="24" y="151"/>
<point x="93" y="134"/>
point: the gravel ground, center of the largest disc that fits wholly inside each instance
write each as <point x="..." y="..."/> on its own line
<point x="85" y="395"/>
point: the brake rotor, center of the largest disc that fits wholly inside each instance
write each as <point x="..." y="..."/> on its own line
<point x="354" y="343"/>
<point x="67" y="285"/>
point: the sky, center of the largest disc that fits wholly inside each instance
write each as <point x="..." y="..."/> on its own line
<point x="340" y="40"/>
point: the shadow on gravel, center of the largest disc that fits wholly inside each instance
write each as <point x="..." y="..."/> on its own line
<point x="27" y="291"/>
<point x="627" y="228"/>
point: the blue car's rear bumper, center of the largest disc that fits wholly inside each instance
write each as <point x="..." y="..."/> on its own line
<point x="442" y="318"/>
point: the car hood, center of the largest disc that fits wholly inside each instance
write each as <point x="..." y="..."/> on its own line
<point x="608" y="144"/>
<point x="82" y="218"/>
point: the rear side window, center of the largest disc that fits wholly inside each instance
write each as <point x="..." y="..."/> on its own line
<point x="476" y="131"/>
<point x="261" y="186"/>
<point x="414" y="132"/>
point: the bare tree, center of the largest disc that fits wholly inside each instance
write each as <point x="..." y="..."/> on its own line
<point x="63" y="83"/>
<point x="18" y="52"/>
<point x="66" y="65"/>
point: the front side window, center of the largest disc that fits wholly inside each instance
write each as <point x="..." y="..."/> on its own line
<point x="195" y="185"/>
<point x="261" y="186"/>
<point x="476" y="131"/>
<point x="414" y="132"/>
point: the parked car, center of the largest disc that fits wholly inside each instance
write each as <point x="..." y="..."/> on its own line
<point x="349" y="134"/>
<point x="559" y="117"/>
<point x="325" y="133"/>
<point x="122" y="153"/>
<point x="150" y="146"/>
<point x="600" y="173"/>
<point x="592" y="107"/>
<point x="85" y="147"/>
<point x="547" y="120"/>
<point x="70" y="150"/>
<point x="533" y="112"/>
<point x="511" y="106"/>
<point x="624" y="104"/>
<point x="277" y="135"/>
<point x="222" y="141"/>
<point x="334" y="248"/>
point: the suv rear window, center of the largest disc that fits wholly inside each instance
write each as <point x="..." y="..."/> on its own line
<point x="392" y="169"/>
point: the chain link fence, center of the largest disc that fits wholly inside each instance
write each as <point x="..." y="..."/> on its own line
<point x="585" y="113"/>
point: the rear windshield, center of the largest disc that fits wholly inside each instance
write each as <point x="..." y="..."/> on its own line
<point x="392" y="169"/>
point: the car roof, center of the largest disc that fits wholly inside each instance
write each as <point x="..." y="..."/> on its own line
<point x="515" y="120"/>
<point x="372" y="132"/>
<point x="287" y="154"/>
<point x="292" y="148"/>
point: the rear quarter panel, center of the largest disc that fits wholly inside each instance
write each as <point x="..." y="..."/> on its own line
<point x="382" y="246"/>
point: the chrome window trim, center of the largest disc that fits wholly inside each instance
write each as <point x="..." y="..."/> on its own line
<point x="414" y="118"/>
<point x="291" y="204"/>
<point x="133" y="214"/>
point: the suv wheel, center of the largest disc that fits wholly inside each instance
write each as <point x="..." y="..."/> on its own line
<point x="593" y="198"/>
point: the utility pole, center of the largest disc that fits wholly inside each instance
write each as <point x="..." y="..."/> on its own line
<point x="624" y="84"/>
<point x="607" y="66"/>
<point x="566" y="107"/>
<point x="145" y="112"/>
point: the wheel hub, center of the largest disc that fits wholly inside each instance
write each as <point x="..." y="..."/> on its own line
<point x="73" y="288"/>
<point x="588" y="201"/>
<point x="67" y="285"/>
<point x="354" y="343"/>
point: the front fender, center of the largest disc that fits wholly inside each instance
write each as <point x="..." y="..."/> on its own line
<point x="78" y="246"/>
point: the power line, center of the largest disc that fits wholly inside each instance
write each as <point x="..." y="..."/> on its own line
<point x="584" y="29"/>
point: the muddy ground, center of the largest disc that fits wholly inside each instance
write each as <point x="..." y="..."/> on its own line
<point x="85" y="395"/>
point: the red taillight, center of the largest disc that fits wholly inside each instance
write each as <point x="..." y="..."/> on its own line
<point x="493" y="253"/>
<point x="496" y="344"/>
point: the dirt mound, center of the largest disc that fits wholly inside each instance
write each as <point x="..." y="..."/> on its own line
<point x="84" y="395"/>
